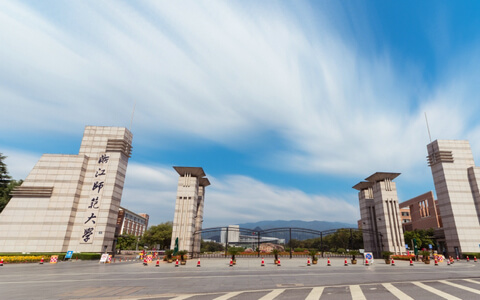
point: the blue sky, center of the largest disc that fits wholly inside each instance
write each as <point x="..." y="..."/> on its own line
<point x="285" y="104"/>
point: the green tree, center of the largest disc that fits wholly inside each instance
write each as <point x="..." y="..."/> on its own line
<point x="160" y="234"/>
<point x="423" y="238"/>
<point x="126" y="242"/>
<point x="211" y="247"/>
<point x="4" y="177"/>
<point x="6" y="184"/>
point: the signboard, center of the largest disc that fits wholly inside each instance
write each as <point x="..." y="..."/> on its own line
<point x="104" y="258"/>
<point x="69" y="254"/>
<point x="53" y="259"/>
<point x="429" y="246"/>
<point x="361" y="251"/>
<point x="406" y="246"/>
<point x="369" y="257"/>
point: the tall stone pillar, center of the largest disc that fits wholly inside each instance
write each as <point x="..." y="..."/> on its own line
<point x="189" y="205"/>
<point x="456" y="184"/>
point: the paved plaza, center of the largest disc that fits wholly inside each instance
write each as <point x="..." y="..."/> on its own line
<point x="246" y="280"/>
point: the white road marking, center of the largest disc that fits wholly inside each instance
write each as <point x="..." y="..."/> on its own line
<point x="181" y="297"/>
<point x="272" y="295"/>
<point x="315" y="294"/>
<point x="435" y="291"/>
<point x="396" y="292"/>
<point x="466" y="288"/>
<point x="357" y="293"/>
<point x="228" y="296"/>
<point x="472" y="281"/>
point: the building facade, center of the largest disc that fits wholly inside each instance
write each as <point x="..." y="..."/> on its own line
<point x="423" y="213"/>
<point x="380" y="214"/>
<point x="70" y="202"/>
<point x="189" y="204"/>
<point x="129" y="222"/>
<point x="457" y="181"/>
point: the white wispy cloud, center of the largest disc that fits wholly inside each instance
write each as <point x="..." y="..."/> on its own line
<point x="230" y="73"/>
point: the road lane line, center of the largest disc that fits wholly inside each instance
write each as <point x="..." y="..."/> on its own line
<point x="396" y="292"/>
<point x="272" y="294"/>
<point x="472" y="281"/>
<point x="315" y="294"/>
<point x="182" y="297"/>
<point x="435" y="291"/>
<point x="459" y="286"/>
<point x="357" y="293"/>
<point x="228" y="296"/>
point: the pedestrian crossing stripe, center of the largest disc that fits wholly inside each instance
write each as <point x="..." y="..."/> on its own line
<point x="356" y="291"/>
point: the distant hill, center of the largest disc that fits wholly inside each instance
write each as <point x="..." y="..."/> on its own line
<point x="315" y="225"/>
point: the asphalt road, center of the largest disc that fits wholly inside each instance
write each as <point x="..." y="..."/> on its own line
<point x="215" y="279"/>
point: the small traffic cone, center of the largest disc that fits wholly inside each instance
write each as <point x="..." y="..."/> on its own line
<point x="468" y="259"/>
<point x="308" y="262"/>
<point x="366" y="262"/>
<point x="41" y="261"/>
<point x="145" y="263"/>
<point x="198" y="263"/>
<point x="346" y="263"/>
<point x="458" y="258"/>
<point x="176" y="263"/>
<point x="411" y="262"/>
<point x="474" y="259"/>
<point x="158" y="263"/>
<point x="328" y="262"/>
<point x="436" y="261"/>
<point x="448" y="262"/>
<point x="1" y="262"/>
<point x="393" y="262"/>
<point x="263" y="263"/>
<point x="231" y="263"/>
<point x="278" y="263"/>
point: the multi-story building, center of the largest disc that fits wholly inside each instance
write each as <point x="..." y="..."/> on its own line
<point x="380" y="213"/>
<point x="423" y="213"/>
<point x="70" y="202"/>
<point x="129" y="222"/>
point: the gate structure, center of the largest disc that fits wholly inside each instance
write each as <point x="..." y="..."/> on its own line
<point x="233" y="236"/>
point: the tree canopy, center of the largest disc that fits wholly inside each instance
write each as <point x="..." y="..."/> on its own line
<point x="6" y="183"/>
<point x="160" y="234"/>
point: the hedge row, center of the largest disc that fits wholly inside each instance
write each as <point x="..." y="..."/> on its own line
<point x="471" y="254"/>
<point x="33" y="257"/>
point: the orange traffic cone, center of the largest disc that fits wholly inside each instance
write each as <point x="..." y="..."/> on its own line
<point x="436" y="261"/>
<point x="308" y="262"/>
<point x="158" y="263"/>
<point x="458" y="258"/>
<point x="474" y="259"/>
<point x="176" y="263"/>
<point x="366" y="262"/>
<point x="328" y="262"/>
<point x="198" y="263"/>
<point x="263" y="262"/>
<point x="1" y="262"/>
<point x="346" y="262"/>
<point x="41" y="261"/>
<point x="448" y="262"/>
<point x="411" y="262"/>
<point x="231" y="263"/>
<point x="468" y="259"/>
<point x="145" y="263"/>
<point x="393" y="262"/>
<point x="278" y="263"/>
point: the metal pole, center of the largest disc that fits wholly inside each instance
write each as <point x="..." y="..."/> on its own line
<point x="321" y="242"/>
<point x="258" y="243"/>
<point x="290" y="241"/>
<point x="226" y="242"/>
